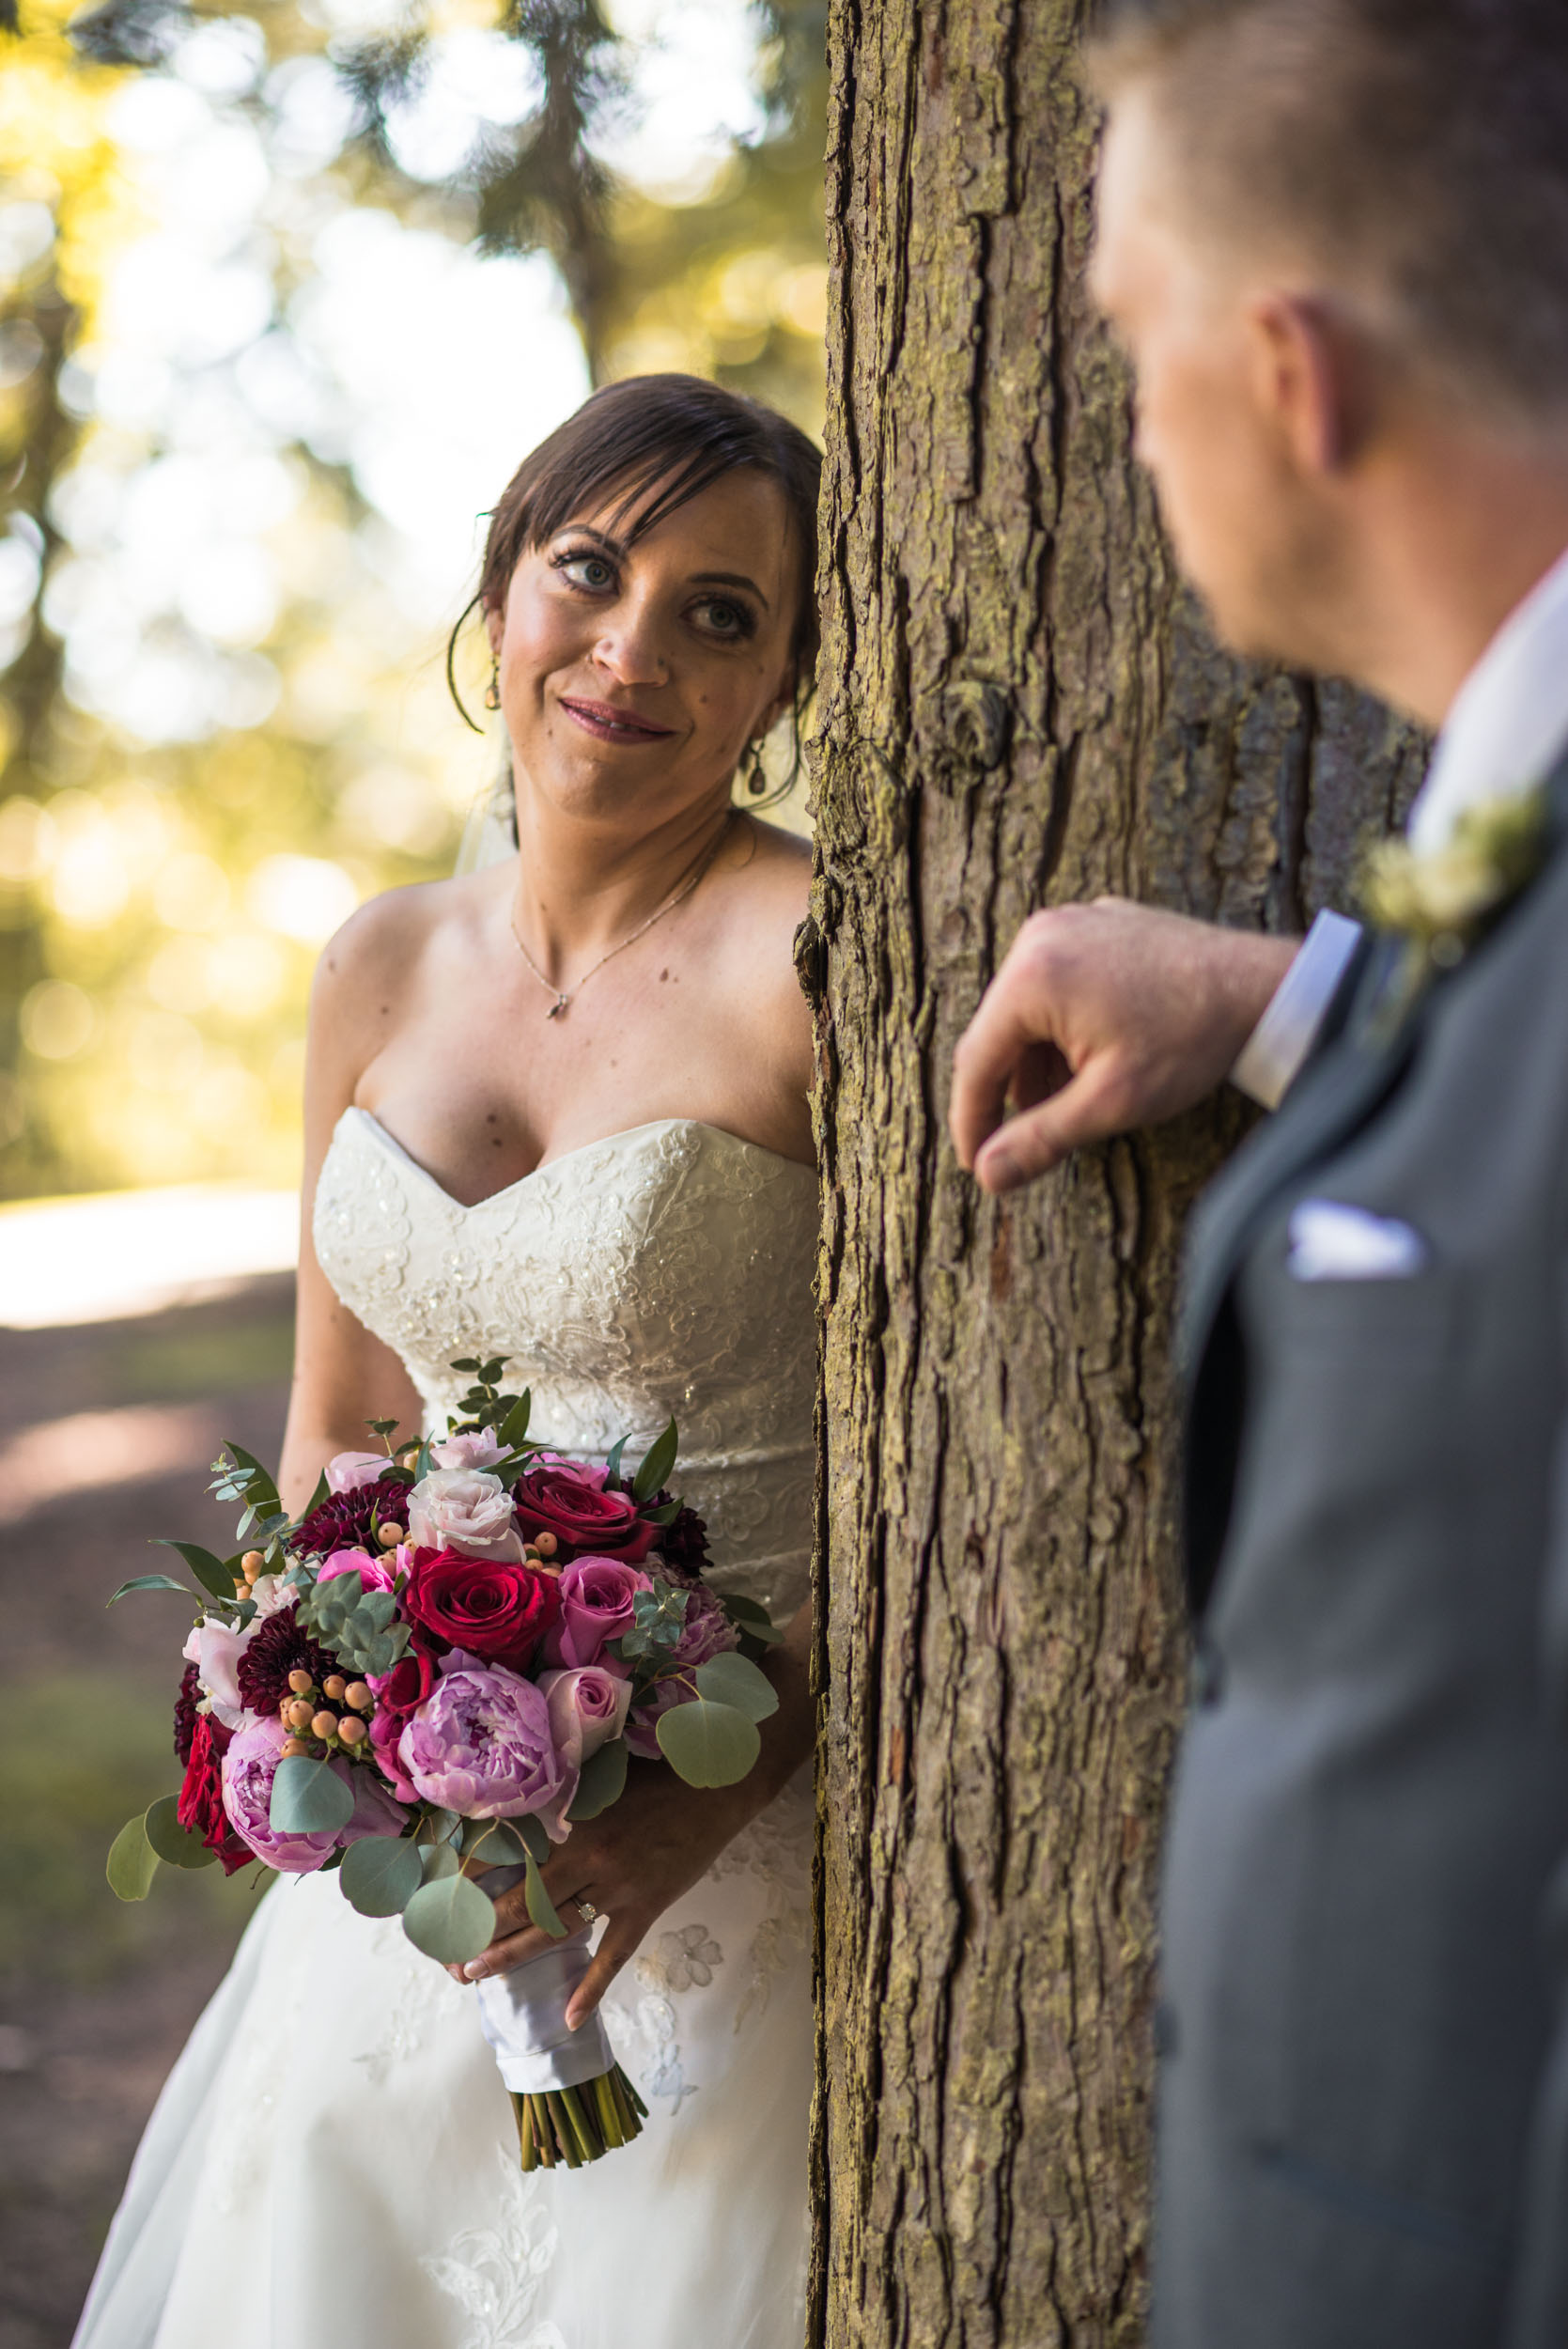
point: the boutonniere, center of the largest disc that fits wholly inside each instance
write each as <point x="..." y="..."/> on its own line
<point x="1442" y="900"/>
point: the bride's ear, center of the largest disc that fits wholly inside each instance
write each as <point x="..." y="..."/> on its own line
<point x="495" y="627"/>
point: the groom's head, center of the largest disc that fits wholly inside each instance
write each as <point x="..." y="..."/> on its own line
<point x="1334" y="237"/>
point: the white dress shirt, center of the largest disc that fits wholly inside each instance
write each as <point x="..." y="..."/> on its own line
<point x="1508" y="725"/>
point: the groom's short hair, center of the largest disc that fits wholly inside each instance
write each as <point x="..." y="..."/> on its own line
<point x="1412" y="154"/>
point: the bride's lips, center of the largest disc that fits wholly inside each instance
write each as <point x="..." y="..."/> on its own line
<point x="607" y="725"/>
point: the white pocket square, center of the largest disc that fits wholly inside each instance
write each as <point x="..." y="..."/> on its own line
<point x="1329" y="1242"/>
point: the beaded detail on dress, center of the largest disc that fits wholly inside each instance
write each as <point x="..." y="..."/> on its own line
<point x="656" y="1274"/>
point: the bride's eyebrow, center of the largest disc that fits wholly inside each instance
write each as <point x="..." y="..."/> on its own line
<point x="730" y="579"/>
<point x="618" y="547"/>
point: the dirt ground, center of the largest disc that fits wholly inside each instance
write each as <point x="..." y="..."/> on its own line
<point x="106" y="1436"/>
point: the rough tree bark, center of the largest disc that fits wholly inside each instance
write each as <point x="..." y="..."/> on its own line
<point x="1018" y="706"/>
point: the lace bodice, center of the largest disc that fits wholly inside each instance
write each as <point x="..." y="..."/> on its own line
<point x="665" y="1272"/>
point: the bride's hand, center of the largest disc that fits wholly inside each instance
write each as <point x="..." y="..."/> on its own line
<point x="631" y="1864"/>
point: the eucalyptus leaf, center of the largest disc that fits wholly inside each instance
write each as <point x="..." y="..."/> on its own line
<point x="729" y="1679"/>
<point x="708" y="1744"/>
<point x="438" y="1860"/>
<point x="534" y="1841"/>
<point x="438" y="1825"/>
<point x="132" y="1863"/>
<point x="659" y="1459"/>
<point x="380" y="1875"/>
<point x="748" y="1616"/>
<point x="602" y="1781"/>
<point x="309" y="1797"/>
<point x="154" y="1582"/>
<point x="451" y="1920"/>
<point x="259" y="1479"/>
<point x="170" y="1841"/>
<point x="541" y="1909"/>
<point x="496" y="1841"/>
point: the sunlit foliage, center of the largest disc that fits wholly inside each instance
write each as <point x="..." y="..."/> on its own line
<point x="282" y="301"/>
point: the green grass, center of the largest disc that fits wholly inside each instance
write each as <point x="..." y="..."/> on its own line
<point x="77" y="1758"/>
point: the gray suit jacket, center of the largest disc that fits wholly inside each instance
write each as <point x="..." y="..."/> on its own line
<point x="1364" y="2091"/>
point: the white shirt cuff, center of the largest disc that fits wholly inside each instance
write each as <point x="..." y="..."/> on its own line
<point x="1271" y="1058"/>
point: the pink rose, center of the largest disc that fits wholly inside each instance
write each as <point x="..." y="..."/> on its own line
<point x="573" y="1502"/>
<point x="587" y="1708"/>
<point x="466" y="1510"/>
<point x="348" y="1471"/>
<point x="249" y="1767"/>
<point x="474" y="1448"/>
<point x="375" y="1574"/>
<point x="596" y="1596"/>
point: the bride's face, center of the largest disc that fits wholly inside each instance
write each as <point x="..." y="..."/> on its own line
<point x="633" y="676"/>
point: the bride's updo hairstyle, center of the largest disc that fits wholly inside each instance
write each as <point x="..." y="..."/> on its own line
<point x="662" y="439"/>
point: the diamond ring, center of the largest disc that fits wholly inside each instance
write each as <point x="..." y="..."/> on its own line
<point x="586" y="1910"/>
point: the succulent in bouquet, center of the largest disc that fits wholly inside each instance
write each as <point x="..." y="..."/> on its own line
<point x="427" y="1677"/>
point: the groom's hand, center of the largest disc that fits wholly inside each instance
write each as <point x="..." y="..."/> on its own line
<point x="1103" y="1017"/>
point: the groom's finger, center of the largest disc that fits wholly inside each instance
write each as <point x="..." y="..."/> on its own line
<point x="1096" y="1103"/>
<point x="620" y="1943"/>
<point x="998" y="1041"/>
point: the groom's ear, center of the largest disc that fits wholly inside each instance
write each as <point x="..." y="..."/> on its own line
<point x="1311" y="381"/>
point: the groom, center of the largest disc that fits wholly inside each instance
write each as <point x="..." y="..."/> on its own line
<point x="1334" y="240"/>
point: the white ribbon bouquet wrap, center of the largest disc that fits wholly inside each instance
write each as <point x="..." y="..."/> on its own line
<point x="427" y="1677"/>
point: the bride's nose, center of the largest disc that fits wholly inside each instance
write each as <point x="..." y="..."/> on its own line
<point x="630" y="647"/>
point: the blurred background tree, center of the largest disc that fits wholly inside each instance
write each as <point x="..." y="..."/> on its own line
<point x="284" y="298"/>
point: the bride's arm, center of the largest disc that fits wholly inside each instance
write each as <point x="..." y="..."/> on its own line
<point x="641" y="1854"/>
<point x="343" y="1377"/>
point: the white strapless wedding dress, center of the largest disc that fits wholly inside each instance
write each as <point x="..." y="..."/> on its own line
<point x="334" y="2159"/>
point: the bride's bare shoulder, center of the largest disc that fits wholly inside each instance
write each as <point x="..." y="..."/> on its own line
<point x="371" y="967"/>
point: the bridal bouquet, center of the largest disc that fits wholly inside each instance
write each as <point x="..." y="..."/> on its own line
<point x="426" y="1678"/>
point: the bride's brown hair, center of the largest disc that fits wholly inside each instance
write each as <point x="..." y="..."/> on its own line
<point x="673" y="435"/>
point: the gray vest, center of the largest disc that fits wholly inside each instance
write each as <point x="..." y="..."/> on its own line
<point x="1359" y="2144"/>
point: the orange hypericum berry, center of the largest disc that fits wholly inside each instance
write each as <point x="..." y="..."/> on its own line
<point x="324" y="1725"/>
<point x="389" y="1535"/>
<point x="546" y="1544"/>
<point x="253" y="1563"/>
<point x="359" y="1696"/>
<point x="333" y="1686"/>
<point x="298" y="1712"/>
<point x="351" y="1731"/>
<point x="301" y="1682"/>
<point x="292" y="1746"/>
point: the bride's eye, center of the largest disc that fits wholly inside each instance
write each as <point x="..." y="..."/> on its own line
<point x="580" y="568"/>
<point x="725" y="618"/>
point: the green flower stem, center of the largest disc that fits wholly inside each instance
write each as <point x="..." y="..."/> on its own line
<point x="579" y="2124"/>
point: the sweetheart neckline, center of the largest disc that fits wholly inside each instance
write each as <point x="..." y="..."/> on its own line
<point x="564" y="1157"/>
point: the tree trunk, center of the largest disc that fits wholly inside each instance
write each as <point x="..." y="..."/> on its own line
<point x="1018" y="705"/>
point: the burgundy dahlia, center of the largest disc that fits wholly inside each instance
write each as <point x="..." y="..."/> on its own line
<point x="185" y="1713"/>
<point x="682" y="1542"/>
<point x="346" y="1520"/>
<point x="277" y="1647"/>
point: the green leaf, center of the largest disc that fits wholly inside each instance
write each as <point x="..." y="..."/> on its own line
<point x="666" y="1516"/>
<point x="210" y="1572"/>
<point x="382" y="1426"/>
<point x="439" y="1826"/>
<point x="309" y="1797"/>
<point x="170" y="1841"/>
<point x="535" y="1841"/>
<point x="659" y="1459"/>
<point x="541" y="1909"/>
<point x="320" y="1494"/>
<point x="729" y="1679"/>
<point x="380" y="1876"/>
<point x="132" y="1863"/>
<point x="515" y="1425"/>
<point x="451" y="1920"/>
<point x="438" y="1860"/>
<point x="153" y="1582"/>
<point x="496" y="1841"/>
<point x="466" y="1363"/>
<point x="708" y="1744"/>
<point x="613" y="1462"/>
<point x="602" y="1782"/>
<point x="258" y="1480"/>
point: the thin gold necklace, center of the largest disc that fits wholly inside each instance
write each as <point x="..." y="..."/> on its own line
<point x="565" y="995"/>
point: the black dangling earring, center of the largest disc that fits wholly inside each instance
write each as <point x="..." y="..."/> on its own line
<point x="756" y="779"/>
<point x="492" y="690"/>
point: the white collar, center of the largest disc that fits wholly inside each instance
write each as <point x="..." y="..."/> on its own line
<point x="1509" y="718"/>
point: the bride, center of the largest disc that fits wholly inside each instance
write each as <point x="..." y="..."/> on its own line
<point x="556" y="1111"/>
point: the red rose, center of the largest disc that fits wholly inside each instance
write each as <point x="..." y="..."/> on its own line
<point x="200" y="1808"/>
<point x="489" y="1606"/>
<point x="576" y="1504"/>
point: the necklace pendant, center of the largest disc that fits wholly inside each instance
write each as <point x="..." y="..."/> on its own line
<point x="558" y="1007"/>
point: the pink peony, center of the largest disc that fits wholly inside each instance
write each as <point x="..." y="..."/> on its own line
<point x="215" y="1651"/>
<point x="348" y="1471"/>
<point x="573" y="1501"/>
<point x="250" y="1766"/>
<point x="596" y="1596"/>
<point x="481" y="1745"/>
<point x="587" y="1708"/>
